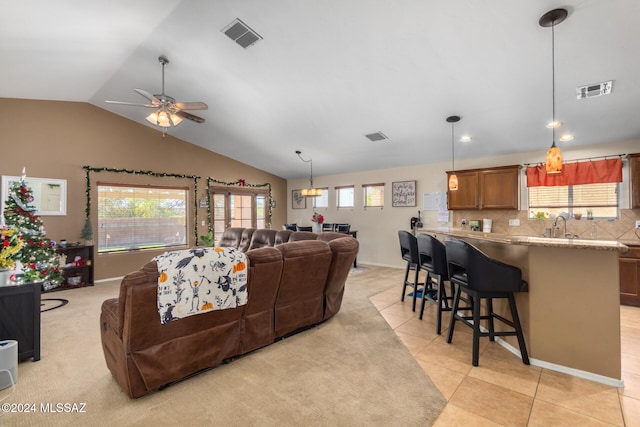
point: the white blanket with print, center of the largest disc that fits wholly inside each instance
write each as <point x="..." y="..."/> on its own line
<point x="199" y="280"/>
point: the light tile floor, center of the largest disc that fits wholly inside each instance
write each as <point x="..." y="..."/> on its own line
<point x="502" y="391"/>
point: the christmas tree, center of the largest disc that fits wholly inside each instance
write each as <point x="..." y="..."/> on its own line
<point x="37" y="256"/>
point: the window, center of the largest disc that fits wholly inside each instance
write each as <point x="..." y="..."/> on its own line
<point x="599" y="199"/>
<point x="345" y="196"/>
<point x="237" y="208"/>
<point x="322" y="201"/>
<point x="131" y="218"/>
<point x="373" y="195"/>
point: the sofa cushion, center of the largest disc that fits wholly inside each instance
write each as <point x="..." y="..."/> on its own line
<point x="301" y="293"/>
<point x="231" y="237"/>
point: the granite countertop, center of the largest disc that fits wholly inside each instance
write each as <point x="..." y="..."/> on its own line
<point x="607" y="245"/>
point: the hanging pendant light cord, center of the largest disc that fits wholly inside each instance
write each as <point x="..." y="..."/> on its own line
<point x="310" y="161"/>
<point x="453" y="157"/>
<point x="553" y="83"/>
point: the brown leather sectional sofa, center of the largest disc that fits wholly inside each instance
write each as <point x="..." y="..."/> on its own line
<point x="291" y="286"/>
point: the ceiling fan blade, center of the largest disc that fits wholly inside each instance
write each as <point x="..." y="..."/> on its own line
<point x="149" y="96"/>
<point x="190" y="116"/>
<point x="191" y="105"/>
<point x="131" y="103"/>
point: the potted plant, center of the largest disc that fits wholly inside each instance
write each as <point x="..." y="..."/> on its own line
<point x="318" y="219"/>
<point x="87" y="232"/>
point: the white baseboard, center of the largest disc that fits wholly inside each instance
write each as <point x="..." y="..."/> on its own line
<point x="563" y="369"/>
<point x="108" y="280"/>
<point x="559" y="368"/>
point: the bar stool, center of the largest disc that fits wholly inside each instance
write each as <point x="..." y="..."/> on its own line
<point x="433" y="260"/>
<point x="409" y="252"/>
<point x="481" y="277"/>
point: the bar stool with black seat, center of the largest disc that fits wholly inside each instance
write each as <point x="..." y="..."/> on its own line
<point x="483" y="278"/>
<point x="409" y="252"/>
<point x="433" y="260"/>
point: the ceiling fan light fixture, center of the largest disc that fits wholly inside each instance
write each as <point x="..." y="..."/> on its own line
<point x="175" y="119"/>
<point x="163" y="119"/>
<point x="166" y="111"/>
<point x="153" y="118"/>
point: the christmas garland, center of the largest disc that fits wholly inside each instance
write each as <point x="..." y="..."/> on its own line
<point x="195" y="178"/>
<point x="238" y="183"/>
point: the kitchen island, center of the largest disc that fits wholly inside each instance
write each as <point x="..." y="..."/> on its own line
<point x="571" y="314"/>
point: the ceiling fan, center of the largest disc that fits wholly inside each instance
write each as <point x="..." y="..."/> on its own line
<point x="167" y="112"/>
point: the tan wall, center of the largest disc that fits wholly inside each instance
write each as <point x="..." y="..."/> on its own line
<point x="56" y="139"/>
<point x="378" y="228"/>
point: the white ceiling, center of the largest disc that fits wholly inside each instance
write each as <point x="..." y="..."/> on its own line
<point x="329" y="71"/>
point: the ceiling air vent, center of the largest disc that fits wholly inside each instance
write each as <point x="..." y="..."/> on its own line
<point x="377" y="136"/>
<point x="240" y="32"/>
<point x="596" y="89"/>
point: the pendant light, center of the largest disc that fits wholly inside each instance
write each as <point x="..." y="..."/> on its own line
<point x="554" y="156"/>
<point x="453" y="178"/>
<point x="311" y="191"/>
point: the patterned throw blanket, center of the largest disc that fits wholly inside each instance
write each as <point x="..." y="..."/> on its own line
<point x="199" y="280"/>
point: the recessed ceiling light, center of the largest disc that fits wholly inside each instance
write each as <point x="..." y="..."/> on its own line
<point x="567" y="137"/>
<point x="552" y="125"/>
<point x="465" y="138"/>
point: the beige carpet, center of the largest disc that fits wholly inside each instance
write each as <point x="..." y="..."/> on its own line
<point x="352" y="370"/>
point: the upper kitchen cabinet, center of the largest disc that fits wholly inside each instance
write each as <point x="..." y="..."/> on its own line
<point x="634" y="172"/>
<point x="491" y="188"/>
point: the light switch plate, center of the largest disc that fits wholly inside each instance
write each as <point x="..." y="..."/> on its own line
<point x="514" y="222"/>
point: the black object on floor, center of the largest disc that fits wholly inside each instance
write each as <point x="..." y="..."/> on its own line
<point x="46" y="306"/>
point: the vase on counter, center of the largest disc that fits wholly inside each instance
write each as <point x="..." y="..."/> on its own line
<point x="318" y="228"/>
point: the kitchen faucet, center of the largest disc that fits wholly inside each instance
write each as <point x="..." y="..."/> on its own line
<point x="555" y="224"/>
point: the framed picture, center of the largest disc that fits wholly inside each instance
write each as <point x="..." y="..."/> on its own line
<point x="403" y="193"/>
<point x="298" y="201"/>
<point x="49" y="195"/>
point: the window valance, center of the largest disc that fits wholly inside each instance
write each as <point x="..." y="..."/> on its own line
<point x="589" y="172"/>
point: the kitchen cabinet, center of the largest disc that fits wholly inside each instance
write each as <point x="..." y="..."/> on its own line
<point x="490" y="188"/>
<point x="634" y="177"/>
<point x="630" y="277"/>
<point x="466" y="196"/>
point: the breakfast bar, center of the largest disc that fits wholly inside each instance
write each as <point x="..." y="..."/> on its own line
<point x="571" y="313"/>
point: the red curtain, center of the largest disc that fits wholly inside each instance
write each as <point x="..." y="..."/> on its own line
<point x="589" y="172"/>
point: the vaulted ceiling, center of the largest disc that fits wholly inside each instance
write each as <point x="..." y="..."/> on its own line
<point x="327" y="72"/>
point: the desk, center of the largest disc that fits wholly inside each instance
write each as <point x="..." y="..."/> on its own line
<point x="20" y="318"/>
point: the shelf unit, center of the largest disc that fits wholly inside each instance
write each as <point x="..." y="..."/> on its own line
<point x="83" y="273"/>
